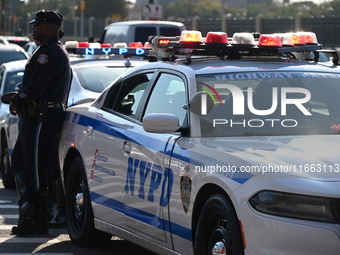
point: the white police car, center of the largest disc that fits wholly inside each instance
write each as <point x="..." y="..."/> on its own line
<point x="233" y="150"/>
<point x="90" y="77"/>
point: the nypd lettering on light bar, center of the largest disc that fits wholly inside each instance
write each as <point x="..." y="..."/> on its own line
<point x="110" y="51"/>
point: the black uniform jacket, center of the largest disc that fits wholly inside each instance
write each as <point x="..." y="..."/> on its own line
<point x="47" y="75"/>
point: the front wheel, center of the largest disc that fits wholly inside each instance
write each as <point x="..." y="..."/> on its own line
<point x="218" y="229"/>
<point x="78" y="209"/>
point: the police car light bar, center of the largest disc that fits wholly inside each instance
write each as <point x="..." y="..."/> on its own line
<point x="85" y="48"/>
<point x="191" y="43"/>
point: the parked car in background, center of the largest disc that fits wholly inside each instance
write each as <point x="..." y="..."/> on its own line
<point x="19" y="40"/>
<point x="11" y="74"/>
<point x="3" y="40"/>
<point x="30" y="47"/>
<point x="90" y="78"/>
<point x="11" y="52"/>
<point x="139" y="31"/>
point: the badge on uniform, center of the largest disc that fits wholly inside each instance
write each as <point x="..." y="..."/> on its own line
<point x="42" y="59"/>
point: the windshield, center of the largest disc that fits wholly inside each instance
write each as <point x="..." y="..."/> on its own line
<point x="269" y="103"/>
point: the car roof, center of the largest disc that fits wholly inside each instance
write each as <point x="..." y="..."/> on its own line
<point x="204" y="66"/>
<point x="15" y="66"/>
<point x="20" y="64"/>
<point x="108" y="62"/>
<point x="146" y="22"/>
<point x="253" y="64"/>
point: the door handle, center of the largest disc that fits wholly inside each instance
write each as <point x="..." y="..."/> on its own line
<point x="89" y="130"/>
<point x="127" y="148"/>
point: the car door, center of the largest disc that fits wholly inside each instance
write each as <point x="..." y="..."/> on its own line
<point x="147" y="178"/>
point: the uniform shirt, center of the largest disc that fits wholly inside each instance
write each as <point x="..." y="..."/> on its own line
<point x="47" y="75"/>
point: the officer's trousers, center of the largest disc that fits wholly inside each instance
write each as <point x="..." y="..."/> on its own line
<point x="32" y="151"/>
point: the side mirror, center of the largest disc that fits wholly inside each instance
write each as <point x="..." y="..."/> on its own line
<point x="6" y="98"/>
<point x="201" y="102"/>
<point x="160" y="123"/>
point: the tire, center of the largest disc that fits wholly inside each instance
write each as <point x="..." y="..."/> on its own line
<point x="218" y="225"/>
<point x="78" y="209"/>
<point x="7" y="176"/>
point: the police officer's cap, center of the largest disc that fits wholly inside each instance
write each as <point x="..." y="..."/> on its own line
<point x="47" y="16"/>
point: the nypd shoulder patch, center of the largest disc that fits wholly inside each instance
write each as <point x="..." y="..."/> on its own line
<point x="42" y="59"/>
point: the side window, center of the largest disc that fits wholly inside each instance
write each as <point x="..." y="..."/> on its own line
<point x="125" y="97"/>
<point x="170" y="31"/>
<point x="168" y="96"/>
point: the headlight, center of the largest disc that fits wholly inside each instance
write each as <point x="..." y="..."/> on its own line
<point x="297" y="206"/>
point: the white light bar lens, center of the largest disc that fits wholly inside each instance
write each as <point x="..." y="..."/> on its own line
<point x="191" y="36"/>
<point x="71" y="44"/>
<point x="286" y="39"/>
<point x="94" y="45"/>
<point x="120" y="45"/>
<point x="243" y="38"/>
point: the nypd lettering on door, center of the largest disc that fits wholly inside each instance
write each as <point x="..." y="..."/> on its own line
<point x="144" y="179"/>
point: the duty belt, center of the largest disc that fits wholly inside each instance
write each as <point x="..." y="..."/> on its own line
<point x="55" y="105"/>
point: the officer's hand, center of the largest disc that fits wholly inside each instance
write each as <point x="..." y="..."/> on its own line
<point x="13" y="109"/>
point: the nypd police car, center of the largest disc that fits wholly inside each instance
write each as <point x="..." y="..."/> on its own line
<point x="217" y="146"/>
<point x="90" y="77"/>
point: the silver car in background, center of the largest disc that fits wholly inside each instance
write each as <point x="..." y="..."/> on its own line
<point x="89" y="78"/>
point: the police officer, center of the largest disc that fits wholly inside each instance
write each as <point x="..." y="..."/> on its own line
<point x="40" y="106"/>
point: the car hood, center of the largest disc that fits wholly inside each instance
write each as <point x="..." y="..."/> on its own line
<point x="312" y="157"/>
